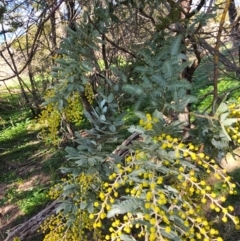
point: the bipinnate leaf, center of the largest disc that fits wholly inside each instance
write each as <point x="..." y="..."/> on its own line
<point x="128" y="205"/>
<point x="176" y="45"/>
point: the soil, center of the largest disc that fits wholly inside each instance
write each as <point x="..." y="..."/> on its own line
<point x="10" y="214"/>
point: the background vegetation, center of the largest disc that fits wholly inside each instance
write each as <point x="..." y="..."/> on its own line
<point x="137" y="102"/>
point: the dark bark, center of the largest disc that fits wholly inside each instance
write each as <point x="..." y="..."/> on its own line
<point x="186" y="6"/>
<point x="86" y="105"/>
<point x="71" y="13"/>
<point x="232" y="12"/>
<point x="53" y="34"/>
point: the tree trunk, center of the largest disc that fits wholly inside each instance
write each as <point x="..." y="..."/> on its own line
<point x="28" y="229"/>
<point x="232" y="12"/>
<point x="71" y="12"/>
<point x="184" y="117"/>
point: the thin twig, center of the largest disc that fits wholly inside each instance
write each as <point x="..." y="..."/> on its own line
<point x="35" y="44"/>
<point x="216" y="56"/>
<point x="110" y="41"/>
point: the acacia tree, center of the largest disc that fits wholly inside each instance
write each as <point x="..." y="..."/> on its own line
<point x="121" y="36"/>
<point x="135" y="53"/>
<point x="154" y="189"/>
<point x="49" y="12"/>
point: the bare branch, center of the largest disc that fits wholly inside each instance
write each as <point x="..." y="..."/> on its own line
<point x="36" y="37"/>
<point x="110" y="41"/>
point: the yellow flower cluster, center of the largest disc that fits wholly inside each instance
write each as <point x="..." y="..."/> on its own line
<point x="50" y="118"/>
<point x="74" y="110"/>
<point x="56" y="227"/>
<point x="164" y="187"/>
<point x="16" y="239"/>
<point x="147" y="122"/>
<point x="89" y="92"/>
<point x="234" y="130"/>
<point x="162" y="208"/>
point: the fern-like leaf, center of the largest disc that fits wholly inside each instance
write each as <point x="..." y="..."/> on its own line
<point x="176" y="45"/>
<point x="128" y="205"/>
<point x="133" y="89"/>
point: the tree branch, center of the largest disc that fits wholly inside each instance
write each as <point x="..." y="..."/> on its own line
<point x="30" y="227"/>
<point x="34" y="46"/>
<point x="110" y="41"/>
<point x="216" y="55"/>
<point x="200" y="5"/>
<point x="224" y="60"/>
